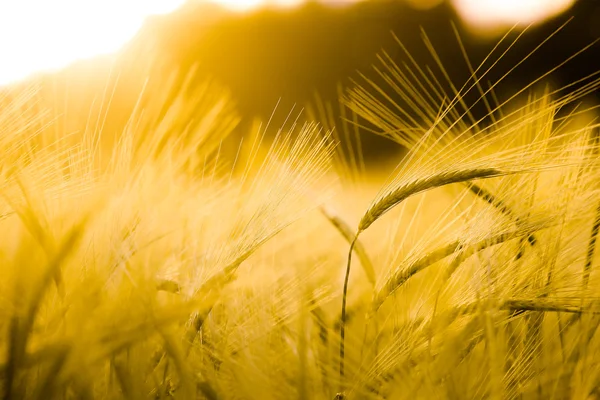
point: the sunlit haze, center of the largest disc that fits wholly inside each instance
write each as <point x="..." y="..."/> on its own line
<point x="41" y="35"/>
<point x="245" y="5"/>
<point x="45" y="35"/>
<point x="489" y="13"/>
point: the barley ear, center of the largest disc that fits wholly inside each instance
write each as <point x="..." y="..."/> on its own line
<point x="413" y="267"/>
<point x="406" y="190"/>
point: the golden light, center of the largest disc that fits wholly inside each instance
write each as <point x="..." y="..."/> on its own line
<point x="245" y="5"/>
<point x="46" y="35"/>
<point x="496" y="13"/>
<point x="240" y="5"/>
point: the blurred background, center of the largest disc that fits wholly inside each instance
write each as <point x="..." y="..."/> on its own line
<point x="284" y="53"/>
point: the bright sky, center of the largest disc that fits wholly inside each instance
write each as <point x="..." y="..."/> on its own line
<point x="45" y="35"/>
<point x="493" y="13"/>
<point x="40" y="35"/>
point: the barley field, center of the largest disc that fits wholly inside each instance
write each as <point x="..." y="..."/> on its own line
<point x="153" y="252"/>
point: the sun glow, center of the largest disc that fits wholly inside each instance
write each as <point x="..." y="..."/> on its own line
<point x="45" y="35"/>
<point x="494" y="13"/>
<point x="245" y="5"/>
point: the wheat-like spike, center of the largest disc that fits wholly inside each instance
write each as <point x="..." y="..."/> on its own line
<point x="401" y="276"/>
<point x="307" y="160"/>
<point x="591" y="249"/>
<point x="594" y="231"/>
<point x="386" y="203"/>
<point x="437" y="324"/>
<point x="397" y="196"/>
<point x="211" y="291"/>
<point x="519" y="305"/>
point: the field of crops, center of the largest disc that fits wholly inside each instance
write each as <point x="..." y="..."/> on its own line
<point x="154" y="252"/>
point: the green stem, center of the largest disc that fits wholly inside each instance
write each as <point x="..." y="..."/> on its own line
<point x="343" y="314"/>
